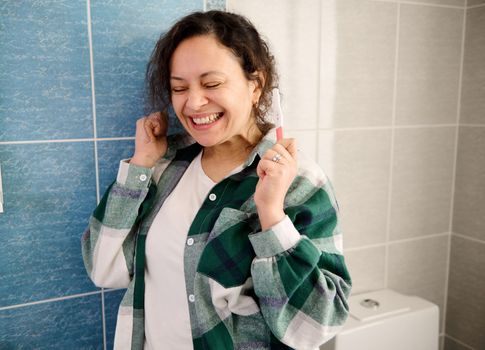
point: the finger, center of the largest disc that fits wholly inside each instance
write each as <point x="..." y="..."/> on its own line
<point x="156" y="127"/>
<point x="283" y="152"/>
<point x="289" y="145"/>
<point x="140" y="130"/>
<point x="265" y="168"/>
<point x="159" y="122"/>
<point x="270" y="168"/>
<point x="260" y="170"/>
<point x="275" y="157"/>
<point x="148" y="127"/>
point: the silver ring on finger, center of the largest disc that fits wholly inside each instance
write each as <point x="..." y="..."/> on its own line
<point x="276" y="158"/>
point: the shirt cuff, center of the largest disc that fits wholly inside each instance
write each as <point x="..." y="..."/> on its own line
<point x="276" y="240"/>
<point x="133" y="176"/>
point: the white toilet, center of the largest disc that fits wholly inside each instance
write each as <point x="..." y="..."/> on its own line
<point x="387" y="320"/>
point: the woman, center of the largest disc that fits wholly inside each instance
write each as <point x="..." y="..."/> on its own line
<point x="223" y="239"/>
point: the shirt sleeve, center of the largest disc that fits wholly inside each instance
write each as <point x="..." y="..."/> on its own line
<point x="299" y="273"/>
<point x="109" y="241"/>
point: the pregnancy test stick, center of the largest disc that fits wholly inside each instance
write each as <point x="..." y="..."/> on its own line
<point x="277" y="114"/>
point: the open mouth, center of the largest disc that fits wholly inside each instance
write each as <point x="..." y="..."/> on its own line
<point x="209" y="119"/>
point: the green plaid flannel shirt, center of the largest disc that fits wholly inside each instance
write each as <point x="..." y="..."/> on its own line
<point x="280" y="290"/>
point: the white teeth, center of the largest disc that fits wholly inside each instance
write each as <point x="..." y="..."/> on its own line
<point x="207" y="120"/>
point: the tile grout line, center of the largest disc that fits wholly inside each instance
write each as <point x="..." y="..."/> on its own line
<point x="473" y="125"/>
<point x="319" y="105"/>
<point x="391" y="160"/>
<point x="468" y="238"/>
<point x="397" y="241"/>
<point x="95" y="134"/>
<point x="455" y="161"/>
<point x="103" y="318"/>
<point x="90" y="139"/>
<point x="93" y="97"/>
<point x="363" y="128"/>
<point x="392" y="126"/>
<point x="420" y="4"/>
<point x="44" y="301"/>
<point x="413" y="239"/>
<point x="475" y="6"/>
<point x="460" y="342"/>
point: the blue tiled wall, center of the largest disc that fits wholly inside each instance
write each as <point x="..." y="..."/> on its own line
<point x="66" y="324"/>
<point x="45" y="90"/>
<point x="47" y="154"/>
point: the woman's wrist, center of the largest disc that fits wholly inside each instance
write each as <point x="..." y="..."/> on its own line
<point x="143" y="161"/>
<point x="270" y="217"/>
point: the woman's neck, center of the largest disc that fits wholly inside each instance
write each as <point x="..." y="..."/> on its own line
<point x="218" y="161"/>
<point x="235" y="150"/>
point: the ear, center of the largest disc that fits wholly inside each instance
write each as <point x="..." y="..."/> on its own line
<point x="257" y="84"/>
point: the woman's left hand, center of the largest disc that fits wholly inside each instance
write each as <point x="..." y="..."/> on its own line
<point x="276" y="170"/>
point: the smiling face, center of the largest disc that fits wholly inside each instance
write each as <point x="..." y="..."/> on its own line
<point x="210" y="93"/>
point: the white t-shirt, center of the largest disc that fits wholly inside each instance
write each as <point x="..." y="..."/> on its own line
<point x="167" y="319"/>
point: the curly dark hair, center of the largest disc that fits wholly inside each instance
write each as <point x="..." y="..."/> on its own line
<point x="233" y="31"/>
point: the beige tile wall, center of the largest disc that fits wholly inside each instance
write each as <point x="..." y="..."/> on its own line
<point x="453" y="344"/>
<point x="459" y="3"/>
<point x="465" y="320"/>
<point x="428" y="65"/>
<point x="475" y="2"/>
<point x="358" y="47"/>
<point x="367" y="267"/>
<point x="473" y="103"/>
<point x="466" y="303"/>
<point x="372" y="91"/>
<point x="423" y="168"/>
<point x="469" y="205"/>
<point x="358" y="161"/>
<point x="419" y="267"/>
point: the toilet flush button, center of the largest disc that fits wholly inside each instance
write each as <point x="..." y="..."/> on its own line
<point x="374" y="305"/>
<point x="370" y="304"/>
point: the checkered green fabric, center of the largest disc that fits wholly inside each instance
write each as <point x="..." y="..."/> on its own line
<point x="299" y="292"/>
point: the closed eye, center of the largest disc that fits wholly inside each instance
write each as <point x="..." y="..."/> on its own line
<point x="177" y="89"/>
<point x="212" y="85"/>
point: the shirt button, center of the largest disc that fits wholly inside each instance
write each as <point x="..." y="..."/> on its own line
<point x="212" y="197"/>
<point x="190" y="241"/>
<point x="143" y="177"/>
<point x="191" y="298"/>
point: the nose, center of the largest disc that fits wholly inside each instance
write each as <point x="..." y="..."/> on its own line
<point x="196" y="99"/>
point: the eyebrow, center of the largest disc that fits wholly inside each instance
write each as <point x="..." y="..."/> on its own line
<point x="202" y="75"/>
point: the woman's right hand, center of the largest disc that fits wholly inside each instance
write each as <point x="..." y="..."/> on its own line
<point x="150" y="139"/>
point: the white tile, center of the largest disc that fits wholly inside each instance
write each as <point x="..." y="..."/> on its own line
<point x="357" y="63"/>
<point x="422" y="181"/>
<point x="293" y="32"/>
<point x="366" y="269"/>
<point x="430" y="41"/>
<point x="358" y="163"/>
